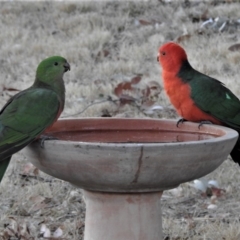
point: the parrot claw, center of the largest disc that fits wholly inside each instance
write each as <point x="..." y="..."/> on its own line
<point x="181" y="120"/>
<point x="43" y="138"/>
<point x="204" y="122"/>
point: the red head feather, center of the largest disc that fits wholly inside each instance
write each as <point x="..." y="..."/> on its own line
<point x="171" y="57"/>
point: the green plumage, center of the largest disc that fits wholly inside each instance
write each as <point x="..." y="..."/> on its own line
<point x="212" y="97"/>
<point x="3" y="166"/>
<point x="218" y="101"/>
<point x="27" y="114"/>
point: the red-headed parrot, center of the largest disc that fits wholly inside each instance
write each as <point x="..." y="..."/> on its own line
<point x="196" y="96"/>
<point x="30" y="112"/>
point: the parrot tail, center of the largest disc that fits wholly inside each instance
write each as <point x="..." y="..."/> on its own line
<point x="235" y="153"/>
<point x="3" y="166"/>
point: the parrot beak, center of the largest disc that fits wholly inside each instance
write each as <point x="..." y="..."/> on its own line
<point x="158" y="57"/>
<point x="66" y="66"/>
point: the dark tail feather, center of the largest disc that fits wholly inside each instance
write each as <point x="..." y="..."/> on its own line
<point x="3" y="166"/>
<point x="235" y="153"/>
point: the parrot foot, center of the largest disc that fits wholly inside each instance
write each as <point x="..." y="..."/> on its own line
<point x="204" y="122"/>
<point x="44" y="138"/>
<point x="181" y="120"/>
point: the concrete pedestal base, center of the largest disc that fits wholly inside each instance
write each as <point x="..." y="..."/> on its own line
<point x="123" y="216"/>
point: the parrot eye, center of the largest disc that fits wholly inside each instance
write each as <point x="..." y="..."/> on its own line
<point x="56" y="63"/>
<point x="163" y="53"/>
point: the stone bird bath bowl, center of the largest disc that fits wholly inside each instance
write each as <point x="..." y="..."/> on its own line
<point x="124" y="165"/>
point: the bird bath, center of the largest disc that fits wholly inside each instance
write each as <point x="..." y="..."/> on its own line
<point x="124" y="165"/>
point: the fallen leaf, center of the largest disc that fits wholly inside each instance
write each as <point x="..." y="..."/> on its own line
<point x="36" y="171"/>
<point x="155" y="90"/>
<point x="126" y="99"/>
<point x="10" y="89"/>
<point x="144" y="22"/>
<point x="234" y="47"/>
<point x="218" y="192"/>
<point x="136" y="79"/>
<point x="146" y="92"/>
<point x="121" y="87"/>
<point x="124" y="91"/>
<point x="103" y="53"/>
<point x="154" y="85"/>
<point x="183" y="38"/>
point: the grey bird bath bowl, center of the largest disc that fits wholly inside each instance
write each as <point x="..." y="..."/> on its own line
<point x="124" y="165"/>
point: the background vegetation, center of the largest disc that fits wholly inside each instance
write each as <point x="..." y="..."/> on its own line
<point x="112" y="48"/>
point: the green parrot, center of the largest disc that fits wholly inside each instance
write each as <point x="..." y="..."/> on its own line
<point x="29" y="113"/>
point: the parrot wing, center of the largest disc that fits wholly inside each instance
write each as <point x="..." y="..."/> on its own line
<point x="24" y="117"/>
<point x="212" y="97"/>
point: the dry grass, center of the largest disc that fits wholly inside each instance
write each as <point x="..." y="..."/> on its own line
<point x="79" y="31"/>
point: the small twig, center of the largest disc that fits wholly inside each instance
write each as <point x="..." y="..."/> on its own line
<point x="109" y="99"/>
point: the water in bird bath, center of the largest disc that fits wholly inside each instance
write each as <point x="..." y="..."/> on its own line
<point x="131" y="136"/>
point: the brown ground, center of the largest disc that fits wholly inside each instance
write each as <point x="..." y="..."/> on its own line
<point x="107" y="43"/>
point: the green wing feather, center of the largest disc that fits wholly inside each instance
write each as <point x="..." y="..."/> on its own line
<point x="212" y="97"/>
<point x="3" y="166"/>
<point x="24" y="117"/>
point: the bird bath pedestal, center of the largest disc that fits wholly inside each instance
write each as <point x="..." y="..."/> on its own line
<point x="124" y="165"/>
